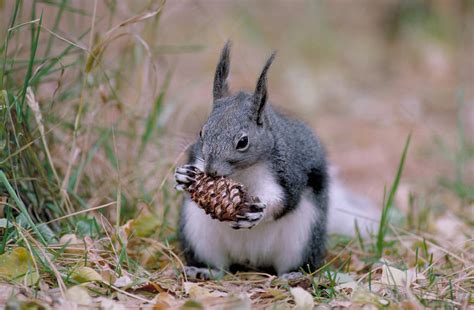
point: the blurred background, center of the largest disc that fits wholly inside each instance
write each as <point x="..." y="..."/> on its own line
<point x="364" y="75"/>
<point x="124" y="86"/>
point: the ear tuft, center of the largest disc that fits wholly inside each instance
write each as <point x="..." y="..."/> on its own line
<point x="221" y="89"/>
<point x="260" y="95"/>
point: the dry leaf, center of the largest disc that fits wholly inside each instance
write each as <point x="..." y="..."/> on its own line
<point x="149" y="286"/>
<point x="368" y="299"/>
<point x="109" y="304"/>
<point x="393" y="277"/>
<point x="164" y="301"/>
<point x="413" y="275"/>
<point x="195" y="291"/>
<point x="126" y="229"/>
<point x="108" y="276"/>
<point x="86" y="274"/>
<point x="340" y="304"/>
<point x="192" y="304"/>
<point x="79" y="295"/>
<point x="276" y="294"/>
<point x="145" y="225"/>
<point x="74" y="244"/>
<point x="17" y="266"/>
<point x="303" y="299"/>
<point x="123" y="281"/>
<point x="347" y="287"/>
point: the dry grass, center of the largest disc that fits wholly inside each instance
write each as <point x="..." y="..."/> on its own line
<point x="97" y="103"/>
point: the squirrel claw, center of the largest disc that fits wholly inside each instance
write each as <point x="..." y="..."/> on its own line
<point x="185" y="176"/>
<point x="179" y="187"/>
<point x="251" y="218"/>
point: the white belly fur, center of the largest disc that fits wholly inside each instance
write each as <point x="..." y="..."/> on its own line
<point x="270" y="243"/>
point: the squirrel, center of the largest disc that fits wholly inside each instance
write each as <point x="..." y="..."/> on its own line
<point x="281" y="161"/>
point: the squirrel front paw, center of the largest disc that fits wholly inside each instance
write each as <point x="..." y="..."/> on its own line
<point x="252" y="216"/>
<point x="185" y="176"/>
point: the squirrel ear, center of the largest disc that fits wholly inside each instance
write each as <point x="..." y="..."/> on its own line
<point x="221" y="88"/>
<point x="260" y="95"/>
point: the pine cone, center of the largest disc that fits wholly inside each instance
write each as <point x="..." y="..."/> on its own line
<point x="221" y="198"/>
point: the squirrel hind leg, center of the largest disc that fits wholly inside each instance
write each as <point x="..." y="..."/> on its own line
<point x="201" y="273"/>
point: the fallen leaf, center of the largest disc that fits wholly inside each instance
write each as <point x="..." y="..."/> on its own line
<point x="17" y="266"/>
<point x="347" y="287"/>
<point x="145" y="225"/>
<point x="109" y="304"/>
<point x="196" y="291"/>
<point x="126" y="229"/>
<point x="303" y="282"/>
<point x="276" y="294"/>
<point x="163" y="301"/>
<point x="341" y="277"/>
<point x="123" y="281"/>
<point x="159" y="305"/>
<point x="340" y="304"/>
<point x="393" y="277"/>
<point x="108" y="275"/>
<point x="79" y="295"/>
<point x="149" y="286"/>
<point x="192" y="304"/>
<point x="29" y="304"/>
<point x="85" y="274"/>
<point x="364" y="296"/>
<point x="303" y="299"/>
<point x="409" y="305"/>
<point x="73" y="244"/>
<point x="413" y="275"/>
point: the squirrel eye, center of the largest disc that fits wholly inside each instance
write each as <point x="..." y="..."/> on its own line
<point x="243" y="143"/>
<point x="200" y="133"/>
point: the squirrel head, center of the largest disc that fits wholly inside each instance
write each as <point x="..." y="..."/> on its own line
<point x="237" y="133"/>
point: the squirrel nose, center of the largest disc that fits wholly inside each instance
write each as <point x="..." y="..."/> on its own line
<point x="211" y="172"/>
<point x="216" y="167"/>
<point x="210" y="169"/>
<point x="211" y="166"/>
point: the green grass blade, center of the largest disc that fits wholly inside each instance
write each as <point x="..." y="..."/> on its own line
<point x="67" y="8"/>
<point x="152" y="120"/>
<point x="7" y="40"/>
<point x="383" y="227"/>
<point x="46" y="69"/>
<point x="62" y="5"/>
<point x="29" y="72"/>
<point x="21" y="206"/>
<point x="90" y="155"/>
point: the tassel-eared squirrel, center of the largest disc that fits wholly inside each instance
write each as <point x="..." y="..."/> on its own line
<point x="280" y="161"/>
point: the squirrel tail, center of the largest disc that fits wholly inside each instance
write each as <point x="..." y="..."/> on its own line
<point x="346" y="208"/>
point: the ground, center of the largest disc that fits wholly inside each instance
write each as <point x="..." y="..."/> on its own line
<point x="99" y="100"/>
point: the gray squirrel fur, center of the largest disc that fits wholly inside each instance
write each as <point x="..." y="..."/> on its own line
<point x="286" y="151"/>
